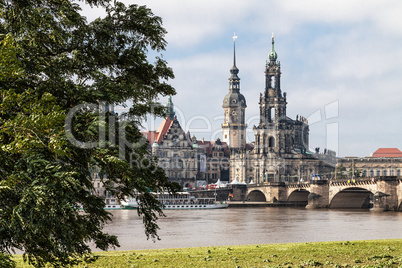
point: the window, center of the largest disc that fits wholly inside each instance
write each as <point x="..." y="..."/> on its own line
<point x="272" y="114"/>
<point x="398" y="172"/>
<point x="271" y="142"/>
<point x="385" y="173"/>
<point x="378" y="172"/>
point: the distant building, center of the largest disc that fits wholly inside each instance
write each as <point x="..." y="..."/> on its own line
<point x="387" y="152"/>
<point x="384" y="162"/>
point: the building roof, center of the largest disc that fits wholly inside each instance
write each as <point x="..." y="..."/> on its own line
<point x="208" y="146"/>
<point x="151" y="136"/>
<point x="163" y="129"/>
<point x="387" y="152"/>
<point x="158" y="135"/>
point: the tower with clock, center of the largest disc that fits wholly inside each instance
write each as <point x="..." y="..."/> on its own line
<point x="280" y="149"/>
<point x="234" y="105"/>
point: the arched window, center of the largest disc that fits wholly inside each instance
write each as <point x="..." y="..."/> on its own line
<point x="398" y="172"/>
<point x="365" y="173"/>
<point x="272" y="81"/>
<point x="385" y="173"/>
<point x="272" y="113"/>
<point x="378" y="172"/>
<point x="271" y="142"/>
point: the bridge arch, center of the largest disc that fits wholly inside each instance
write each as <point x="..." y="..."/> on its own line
<point x="352" y="197"/>
<point x="299" y="195"/>
<point x="256" y="196"/>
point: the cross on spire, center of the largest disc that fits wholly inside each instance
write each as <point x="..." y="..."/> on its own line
<point x="234" y="37"/>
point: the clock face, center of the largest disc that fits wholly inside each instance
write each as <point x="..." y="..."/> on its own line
<point x="234" y="132"/>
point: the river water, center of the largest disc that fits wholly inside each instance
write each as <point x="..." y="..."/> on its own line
<point x="240" y="226"/>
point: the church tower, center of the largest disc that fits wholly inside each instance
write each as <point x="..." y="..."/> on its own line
<point x="268" y="135"/>
<point x="272" y="103"/>
<point x="234" y="105"/>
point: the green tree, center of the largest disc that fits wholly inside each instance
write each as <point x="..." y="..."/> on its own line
<point x="340" y="172"/>
<point x="52" y="60"/>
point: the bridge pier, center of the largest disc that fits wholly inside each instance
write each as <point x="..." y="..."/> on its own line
<point x="399" y="193"/>
<point x="390" y="200"/>
<point x="379" y="202"/>
<point x="319" y="195"/>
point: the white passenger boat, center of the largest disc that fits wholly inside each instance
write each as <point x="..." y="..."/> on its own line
<point x="180" y="200"/>
<point x="110" y="204"/>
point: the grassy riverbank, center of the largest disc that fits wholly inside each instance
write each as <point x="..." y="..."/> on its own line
<point x="373" y="253"/>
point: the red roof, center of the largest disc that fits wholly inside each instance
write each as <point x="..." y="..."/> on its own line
<point x="151" y="136"/>
<point x="387" y="152"/>
<point x="163" y="129"/>
<point x="158" y="135"/>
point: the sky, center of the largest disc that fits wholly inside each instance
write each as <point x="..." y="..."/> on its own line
<point x="341" y="64"/>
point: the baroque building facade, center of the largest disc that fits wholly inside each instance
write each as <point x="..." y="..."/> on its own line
<point x="186" y="160"/>
<point x="385" y="163"/>
<point x="280" y="151"/>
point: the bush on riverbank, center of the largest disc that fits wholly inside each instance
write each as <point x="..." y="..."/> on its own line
<point x="373" y="253"/>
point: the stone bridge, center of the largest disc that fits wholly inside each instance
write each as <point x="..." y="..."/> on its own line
<point x="379" y="193"/>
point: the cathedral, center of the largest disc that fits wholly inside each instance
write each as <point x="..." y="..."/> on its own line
<point x="278" y="154"/>
<point x="280" y="150"/>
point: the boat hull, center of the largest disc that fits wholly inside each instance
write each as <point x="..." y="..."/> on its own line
<point x="185" y="206"/>
<point x="199" y="206"/>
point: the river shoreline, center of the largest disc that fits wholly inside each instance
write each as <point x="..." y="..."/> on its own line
<point x="258" y="225"/>
<point x="378" y="253"/>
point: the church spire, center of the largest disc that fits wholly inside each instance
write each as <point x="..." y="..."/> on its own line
<point x="170" y="108"/>
<point x="272" y="55"/>
<point x="234" y="80"/>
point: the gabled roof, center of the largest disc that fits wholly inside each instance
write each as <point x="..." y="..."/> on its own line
<point x="163" y="129"/>
<point x="387" y="152"/>
<point x="158" y="135"/>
